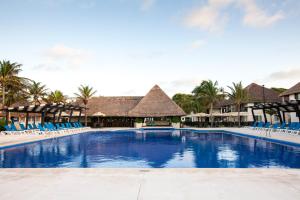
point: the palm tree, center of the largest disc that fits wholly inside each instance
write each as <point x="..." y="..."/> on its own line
<point x="37" y="91"/>
<point x="208" y="92"/>
<point x="16" y="95"/>
<point x="9" y="77"/>
<point x="239" y="95"/>
<point x="85" y="93"/>
<point x="56" y="97"/>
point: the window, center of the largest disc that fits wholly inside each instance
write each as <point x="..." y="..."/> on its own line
<point x="297" y="96"/>
<point x="286" y="98"/>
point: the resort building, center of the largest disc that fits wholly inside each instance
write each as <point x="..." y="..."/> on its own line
<point x="290" y="95"/>
<point x="225" y="112"/>
<point x="156" y="108"/>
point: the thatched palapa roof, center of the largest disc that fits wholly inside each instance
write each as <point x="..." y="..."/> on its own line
<point x="155" y="104"/>
<point x="112" y="106"/>
<point x="293" y="90"/>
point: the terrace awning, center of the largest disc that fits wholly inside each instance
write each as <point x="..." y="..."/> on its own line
<point x="45" y="109"/>
<point x="279" y="107"/>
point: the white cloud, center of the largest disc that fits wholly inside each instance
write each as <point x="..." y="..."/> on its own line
<point x="67" y="54"/>
<point x="283" y="78"/>
<point x="61" y="57"/>
<point x="210" y="16"/>
<point x="146" y="4"/>
<point x="213" y="16"/>
<point x="292" y="74"/>
<point x="256" y="17"/>
<point x="180" y="85"/>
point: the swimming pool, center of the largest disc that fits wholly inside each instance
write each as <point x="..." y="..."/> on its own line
<point x="152" y="149"/>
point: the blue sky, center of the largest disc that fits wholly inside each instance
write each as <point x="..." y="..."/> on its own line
<point x="124" y="47"/>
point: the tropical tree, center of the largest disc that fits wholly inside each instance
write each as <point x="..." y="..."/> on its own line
<point x="209" y="93"/>
<point x="15" y="94"/>
<point x="239" y="95"/>
<point x="56" y="97"/>
<point x="278" y="90"/>
<point x="37" y="91"/>
<point x="188" y="103"/>
<point x="9" y="79"/>
<point x="85" y="92"/>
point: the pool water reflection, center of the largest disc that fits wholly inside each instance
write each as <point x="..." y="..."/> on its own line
<point x="151" y="149"/>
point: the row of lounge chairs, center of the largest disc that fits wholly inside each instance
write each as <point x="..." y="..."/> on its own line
<point x="48" y="127"/>
<point x="293" y="127"/>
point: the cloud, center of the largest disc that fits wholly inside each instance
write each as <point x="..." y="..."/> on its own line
<point x="209" y="17"/>
<point x="213" y="16"/>
<point x="147" y="4"/>
<point x="67" y="54"/>
<point x="180" y="85"/>
<point x="185" y="82"/>
<point x="292" y="74"/>
<point x="198" y="44"/>
<point x="256" y="17"/>
<point x="61" y="57"/>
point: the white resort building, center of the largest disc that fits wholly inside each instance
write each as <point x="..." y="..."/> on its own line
<point x="290" y="95"/>
<point x="225" y="112"/>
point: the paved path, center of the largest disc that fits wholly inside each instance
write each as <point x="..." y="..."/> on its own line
<point x="149" y="184"/>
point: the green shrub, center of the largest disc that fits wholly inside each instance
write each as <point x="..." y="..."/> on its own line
<point x="175" y="119"/>
<point x="139" y="120"/>
<point x="2" y="124"/>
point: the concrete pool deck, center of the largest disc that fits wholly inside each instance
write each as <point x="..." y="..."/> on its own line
<point x="152" y="184"/>
<point x="119" y="184"/>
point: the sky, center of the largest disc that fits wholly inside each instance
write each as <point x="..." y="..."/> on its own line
<point x="125" y="47"/>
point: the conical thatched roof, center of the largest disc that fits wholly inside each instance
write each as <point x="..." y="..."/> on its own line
<point x="156" y="104"/>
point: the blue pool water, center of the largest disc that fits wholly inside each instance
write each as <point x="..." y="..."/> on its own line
<point x="152" y="149"/>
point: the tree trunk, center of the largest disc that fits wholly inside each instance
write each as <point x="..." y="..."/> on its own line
<point x="239" y="117"/>
<point x="211" y="115"/>
<point x="85" y="115"/>
<point x="3" y="105"/>
<point x="3" y="96"/>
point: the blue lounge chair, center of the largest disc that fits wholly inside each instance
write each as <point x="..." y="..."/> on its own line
<point x="80" y="125"/>
<point x="267" y="125"/>
<point x="61" y="127"/>
<point x="41" y="128"/>
<point x="15" y="130"/>
<point x="8" y="129"/>
<point x="259" y="126"/>
<point x="292" y="127"/>
<point x="50" y="127"/>
<point x="275" y="126"/>
<point x="30" y="127"/>
<point x="22" y="127"/>
<point x="253" y="126"/>
<point x="34" y="126"/>
<point x="279" y="127"/>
